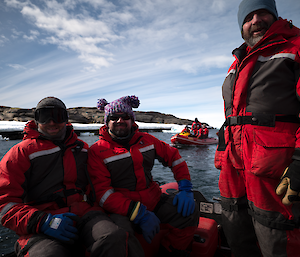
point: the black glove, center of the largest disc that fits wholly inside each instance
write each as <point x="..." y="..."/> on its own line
<point x="290" y="183"/>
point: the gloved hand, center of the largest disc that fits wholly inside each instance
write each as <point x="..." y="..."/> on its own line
<point x="185" y="198"/>
<point x="290" y="183"/>
<point x="148" y="222"/>
<point x="60" y="226"/>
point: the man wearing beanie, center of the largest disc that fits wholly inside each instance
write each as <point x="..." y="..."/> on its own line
<point x="120" y="164"/>
<point x="259" y="143"/>
<point x="46" y="196"/>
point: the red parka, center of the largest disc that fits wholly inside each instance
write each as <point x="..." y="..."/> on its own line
<point x="261" y="94"/>
<point x="38" y="176"/>
<point x="122" y="174"/>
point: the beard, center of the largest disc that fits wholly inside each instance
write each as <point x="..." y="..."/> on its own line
<point x="121" y="130"/>
<point x="251" y="38"/>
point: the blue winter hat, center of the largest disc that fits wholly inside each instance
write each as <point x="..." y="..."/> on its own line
<point x="248" y="6"/>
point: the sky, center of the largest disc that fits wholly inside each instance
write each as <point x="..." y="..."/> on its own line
<point x="172" y="54"/>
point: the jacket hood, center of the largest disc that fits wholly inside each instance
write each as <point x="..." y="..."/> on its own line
<point x="284" y="28"/>
<point x="30" y="130"/>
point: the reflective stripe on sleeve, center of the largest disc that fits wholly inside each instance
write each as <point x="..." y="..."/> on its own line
<point x="105" y="196"/>
<point x="177" y="162"/>
<point x="147" y="148"/>
<point x="276" y="56"/>
<point x="44" y="152"/>
<point x="117" y="157"/>
<point x="6" y="209"/>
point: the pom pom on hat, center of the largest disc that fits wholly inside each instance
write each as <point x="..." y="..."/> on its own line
<point x="101" y="104"/>
<point x="121" y="105"/>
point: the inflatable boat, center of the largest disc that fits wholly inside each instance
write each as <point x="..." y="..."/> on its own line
<point x="209" y="239"/>
<point x="185" y="138"/>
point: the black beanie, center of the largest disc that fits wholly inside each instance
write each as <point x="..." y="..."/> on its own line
<point x="51" y="102"/>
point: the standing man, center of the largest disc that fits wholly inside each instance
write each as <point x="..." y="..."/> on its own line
<point x="120" y="164"/>
<point x="46" y="196"/>
<point x="196" y="125"/>
<point x="262" y="137"/>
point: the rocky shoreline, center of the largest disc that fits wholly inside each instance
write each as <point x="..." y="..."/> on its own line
<point x="89" y="115"/>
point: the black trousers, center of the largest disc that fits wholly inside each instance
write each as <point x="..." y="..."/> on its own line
<point x="99" y="234"/>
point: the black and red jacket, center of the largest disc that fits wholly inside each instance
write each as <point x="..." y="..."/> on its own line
<point x="39" y="176"/>
<point x="122" y="174"/>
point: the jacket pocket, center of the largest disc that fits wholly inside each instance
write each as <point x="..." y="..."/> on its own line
<point x="272" y="152"/>
<point x="218" y="159"/>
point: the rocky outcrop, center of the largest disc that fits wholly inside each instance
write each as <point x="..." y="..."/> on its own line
<point x="88" y="115"/>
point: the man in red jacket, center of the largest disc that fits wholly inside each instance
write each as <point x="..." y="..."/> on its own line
<point x="260" y="137"/>
<point x="120" y="164"/>
<point x="46" y="196"/>
<point x="205" y="131"/>
<point x="196" y="125"/>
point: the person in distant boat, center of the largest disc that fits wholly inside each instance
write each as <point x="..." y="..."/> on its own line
<point x="259" y="143"/>
<point x="120" y="164"/>
<point x="46" y="196"/>
<point x="196" y="125"/>
<point x="205" y="131"/>
<point x="186" y="129"/>
<point x="199" y="133"/>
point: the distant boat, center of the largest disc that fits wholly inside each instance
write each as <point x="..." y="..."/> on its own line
<point x="186" y="139"/>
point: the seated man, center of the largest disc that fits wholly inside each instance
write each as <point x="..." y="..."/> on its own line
<point x="199" y="133"/>
<point x="120" y="164"/>
<point x="205" y="131"/>
<point x="46" y="197"/>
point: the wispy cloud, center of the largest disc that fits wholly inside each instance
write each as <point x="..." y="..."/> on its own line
<point x="17" y="66"/>
<point x="3" y="40"/>
<point x="96" y="33"/>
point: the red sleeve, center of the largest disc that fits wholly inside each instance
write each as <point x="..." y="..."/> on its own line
<point x="14" y="214"/>
<point x="170" y="157"/>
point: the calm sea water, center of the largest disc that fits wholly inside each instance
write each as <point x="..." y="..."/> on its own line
<point x="200" y="160"/>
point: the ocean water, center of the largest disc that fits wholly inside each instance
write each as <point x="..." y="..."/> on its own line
<point x="200" y="160"/>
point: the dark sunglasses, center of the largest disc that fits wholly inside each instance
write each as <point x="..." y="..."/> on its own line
<point x="116" y="117"/>
<point x="44" y="115"/>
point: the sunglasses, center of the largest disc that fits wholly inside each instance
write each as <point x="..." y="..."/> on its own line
<point x="44" y="115"/>
<point x="116" y="117"/>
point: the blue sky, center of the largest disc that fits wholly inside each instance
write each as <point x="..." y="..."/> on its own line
<point x="172" y="54"/>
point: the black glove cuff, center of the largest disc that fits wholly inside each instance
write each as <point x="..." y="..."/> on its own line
<point x="294" y="198"/>
<point x="34" y="221"/>
<point x="293" y="173"/>
<point x="131" y="208"/>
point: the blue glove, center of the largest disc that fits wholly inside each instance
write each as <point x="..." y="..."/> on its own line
<point x="60" y="226"/>
<point x="185" y="198"/>
<point x="148" y="222"/>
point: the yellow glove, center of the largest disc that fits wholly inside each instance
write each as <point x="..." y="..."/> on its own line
<point x="289" y="180"/>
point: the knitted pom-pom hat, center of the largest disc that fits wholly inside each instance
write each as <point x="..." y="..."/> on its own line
<point x="123" y="104"/>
